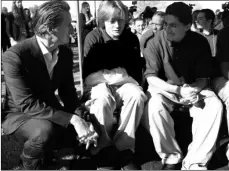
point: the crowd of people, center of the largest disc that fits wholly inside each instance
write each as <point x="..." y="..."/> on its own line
<point x="144" y="68"/>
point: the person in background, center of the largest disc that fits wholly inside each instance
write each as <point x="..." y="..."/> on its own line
<point x="132" y="26"/>
<point x="194" y="20"/>
<point x="33" y="11"/>
<point x="112" y="74"/>
<point x="221" y="82"/>
<point x="34" y="69"/>
<point x="156" y="24"/>
<point x="16" y="26"/>
<point x="218" y="23"/>
<point x="205" y="21"/>
<point x="29" y="22"/>
<point x="175" y="59"/>
<point x="87" y="21"/>
<point x="139" y="27"/>
<point x="148" y="14"/>
<point x="5" y="43"/>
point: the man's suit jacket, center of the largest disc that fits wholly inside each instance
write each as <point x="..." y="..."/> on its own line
<point x="30" y="91"/>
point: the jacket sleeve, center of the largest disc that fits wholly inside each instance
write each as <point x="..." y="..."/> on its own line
<point x="67" y="90"/>
<point x="23" y="96"/>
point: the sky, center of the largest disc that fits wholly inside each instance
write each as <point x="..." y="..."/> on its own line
<point x="199" y="5"/>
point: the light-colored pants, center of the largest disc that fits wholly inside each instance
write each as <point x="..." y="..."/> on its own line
<point x="104" y="100"/>
<point x="205" y="128"/>
<point x="221" y="87"/>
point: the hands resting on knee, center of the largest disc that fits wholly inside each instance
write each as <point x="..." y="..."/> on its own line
<point x="85" y="131"/>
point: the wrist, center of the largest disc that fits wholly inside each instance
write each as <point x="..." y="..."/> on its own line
<point x="178" y="90"/>
<point x="74" y="119"/>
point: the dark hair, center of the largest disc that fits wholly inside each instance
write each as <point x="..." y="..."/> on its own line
<point x="88" y="14"/>
<point x="209" y="14"/>
<point x="180" y="10"/>
<point x="111" y="9"/>
<point x="49" y="16"/>
<point x="83" y="6"/>
<point x="194" y="18"/>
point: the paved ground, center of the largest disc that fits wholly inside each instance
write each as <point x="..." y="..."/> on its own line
<point x="145" y="153"/>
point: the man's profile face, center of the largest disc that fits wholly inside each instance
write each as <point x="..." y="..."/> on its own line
<point x="157" y="23"/>
<point x="175" y="30"/>
<point x="63" y="31"/>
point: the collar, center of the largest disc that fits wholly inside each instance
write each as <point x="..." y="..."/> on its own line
<point x="44" y="50"/>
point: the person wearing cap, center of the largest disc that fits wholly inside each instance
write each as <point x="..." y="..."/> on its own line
<point x="175" y="59"/>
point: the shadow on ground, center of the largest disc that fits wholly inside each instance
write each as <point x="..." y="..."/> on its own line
<point x="145" y="152"/>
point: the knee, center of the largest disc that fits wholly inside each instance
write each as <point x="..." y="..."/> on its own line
<point x="155" y="104"/>
<point x="135" y="92"/>
<point x="217" y="105"/>
<point x="42" y="133"/>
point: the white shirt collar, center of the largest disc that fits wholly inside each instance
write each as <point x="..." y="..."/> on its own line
<point x="44" y="50"/>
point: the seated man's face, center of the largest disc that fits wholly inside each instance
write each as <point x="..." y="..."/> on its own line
<point x="175" y="30"/>
<point x="139" y="26"/>
<point x="114" y="27"/>
<point x="156" y="23"/>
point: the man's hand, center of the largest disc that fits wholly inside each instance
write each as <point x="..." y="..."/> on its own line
<point x="85" y="131"/>
<point x="12" y="41"/>
<point x="189" y="93"/>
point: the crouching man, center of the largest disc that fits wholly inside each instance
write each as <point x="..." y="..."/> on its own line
<point x="34" y="69"/>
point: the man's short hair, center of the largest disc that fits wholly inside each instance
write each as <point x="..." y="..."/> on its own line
<point x="111" y="9"/>
<point x="159" y="13"/>
<point x="209" y="14"/>
<point x="180" y="10"/>
<point x="49" y="16"/>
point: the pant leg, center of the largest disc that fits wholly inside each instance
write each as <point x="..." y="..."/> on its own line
<point x="132" y="99"/>
<point x="102" y="104"/>
<point x="205" y="129"/>
<point x="159" y="123"/>
<point x="221" y="88"/>
<point x="36" y="135"/>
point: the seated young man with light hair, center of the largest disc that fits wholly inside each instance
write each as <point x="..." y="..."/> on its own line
<point x="112" y="75"/>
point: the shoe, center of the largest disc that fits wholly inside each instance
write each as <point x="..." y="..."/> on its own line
<point x="126" y="161"/>
<point x="172" y="166"/>
<point x="224" y="167"/>
<point x="106" y="159"/>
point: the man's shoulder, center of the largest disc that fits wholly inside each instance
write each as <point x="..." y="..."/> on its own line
<point x="196" y="38"/>
<point x="94" y="34"/>
<point x="158" y="38"/>
<point x="23" y="46"/>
